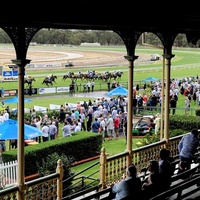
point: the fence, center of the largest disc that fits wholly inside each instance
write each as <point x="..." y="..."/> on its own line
<point x="8" y="174"/>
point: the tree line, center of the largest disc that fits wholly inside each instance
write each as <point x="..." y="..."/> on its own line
<point x="76" y="37"/>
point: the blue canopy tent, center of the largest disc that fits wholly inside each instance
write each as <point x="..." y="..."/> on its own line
<point x="9" y="130"/>
<point x="118" y="91"/>
<point x="15" y="100"/>
<point x="149" y="79"/>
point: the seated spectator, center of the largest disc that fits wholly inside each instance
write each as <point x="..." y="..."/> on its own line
<point x="165" y="169"/>
<point x="150" y="186"/>
<point x="129" y="187"/>
<point x="171" y="160"/>
<point x="182" y="167"/>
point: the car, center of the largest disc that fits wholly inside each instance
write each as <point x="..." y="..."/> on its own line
<point x="140" y="128"/>
<point x="69" y="64"/>
<point x="155" y="57"/>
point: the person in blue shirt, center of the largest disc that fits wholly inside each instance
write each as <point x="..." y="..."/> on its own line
<point x="95" y="126"/>
<point x="187" y="147"/>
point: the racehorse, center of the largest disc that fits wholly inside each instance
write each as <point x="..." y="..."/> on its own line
<point x="69" y="75"/>
<point x="49" y="80"/>
<point x="29" y="81"/>
<point x="119" y="74"/>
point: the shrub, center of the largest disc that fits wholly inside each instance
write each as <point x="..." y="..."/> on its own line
<point x="197" y="112"/>
<point x="48" y="167"/>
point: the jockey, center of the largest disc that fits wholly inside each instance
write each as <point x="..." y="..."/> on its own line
<point x="118" y="71"/>
<point x="106" y="74"/>
<point x="49" y="76"/>
<point x="79" y="74"/>
<point x="91" y="74"/>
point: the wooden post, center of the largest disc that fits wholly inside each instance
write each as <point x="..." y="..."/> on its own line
<point x="59" y="170"/>
<point x="103" y="168"/>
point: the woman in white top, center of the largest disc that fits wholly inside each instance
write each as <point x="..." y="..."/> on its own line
<point x="45" y="132"/>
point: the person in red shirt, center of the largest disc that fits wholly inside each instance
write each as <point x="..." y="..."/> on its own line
<point x="116" y="126"/>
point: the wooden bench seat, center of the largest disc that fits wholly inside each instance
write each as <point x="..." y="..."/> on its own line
<point x="188" y="188"/>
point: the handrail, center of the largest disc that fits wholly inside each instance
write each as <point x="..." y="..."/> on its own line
<point x="82" y="178"/>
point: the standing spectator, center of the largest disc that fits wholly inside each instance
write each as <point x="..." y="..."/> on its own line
<point x="110" y="127"/>
<point x="53" y="130"/>
<point x="95" y="126"/>
<point x="92" y="84"/>
<point x="45" y="132"/>
<point x="6" y="115"/>
<point x="140" y="103"/>
<point x="77" y="127"/>
<point x="144" y="86"/>
<point x="173" y="103"/>
<point x="194" y="97"/>
<point x="67" y="108"/>
<point x="2" y="92"/>
<point x="134" y="105"/>
<point x="187" y="147"/>
<point x="84" y="87"/>
<point x="62" y="113"/>
<point x="108" y="83"/>
<point x="66" y="129"/>
<point x="85" y="105"/>
<point x="88" y="86"/>
<point x="157" y="122"/>
<point x="129" y="187"/>
<point x="137" y="87"/>
<point x="116" y="126"/>
<point x="187" y="105"/>
<point x="89" y="120"/>
<point x="38" y="122"/>
<point x="33" y="114"/>
<point x="102" y="128"/>
<point x="8" y="109"/>
<point x="55" y="119"/>
<point x="2" y="149"/>
<point x="2" y="146"/>
<point x="82" y="119"/>
<point x="125" y="129"/>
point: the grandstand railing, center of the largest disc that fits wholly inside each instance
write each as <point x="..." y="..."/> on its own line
<point x="111" y="169"/>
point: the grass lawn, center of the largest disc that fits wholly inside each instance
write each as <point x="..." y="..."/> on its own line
<point x="112" y="147"/>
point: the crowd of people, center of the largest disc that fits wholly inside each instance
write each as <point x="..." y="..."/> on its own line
<point x="102" y="115"/>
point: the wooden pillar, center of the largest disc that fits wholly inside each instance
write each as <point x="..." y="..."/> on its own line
<point x="167" y="97"/>
<point x="20" y="142"/>
<point x="130" y="107"/>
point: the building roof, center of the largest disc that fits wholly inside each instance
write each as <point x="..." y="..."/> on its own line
<point x="101" y="15"/>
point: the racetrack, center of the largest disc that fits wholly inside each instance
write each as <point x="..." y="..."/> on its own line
<point x="49" y="57"/>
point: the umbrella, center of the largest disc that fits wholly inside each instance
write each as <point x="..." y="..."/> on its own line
<point x="15" y="100"/>
<point x="9" y="130"/>
<point x="150" y="79"/>
<point x="118" y="91"/>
